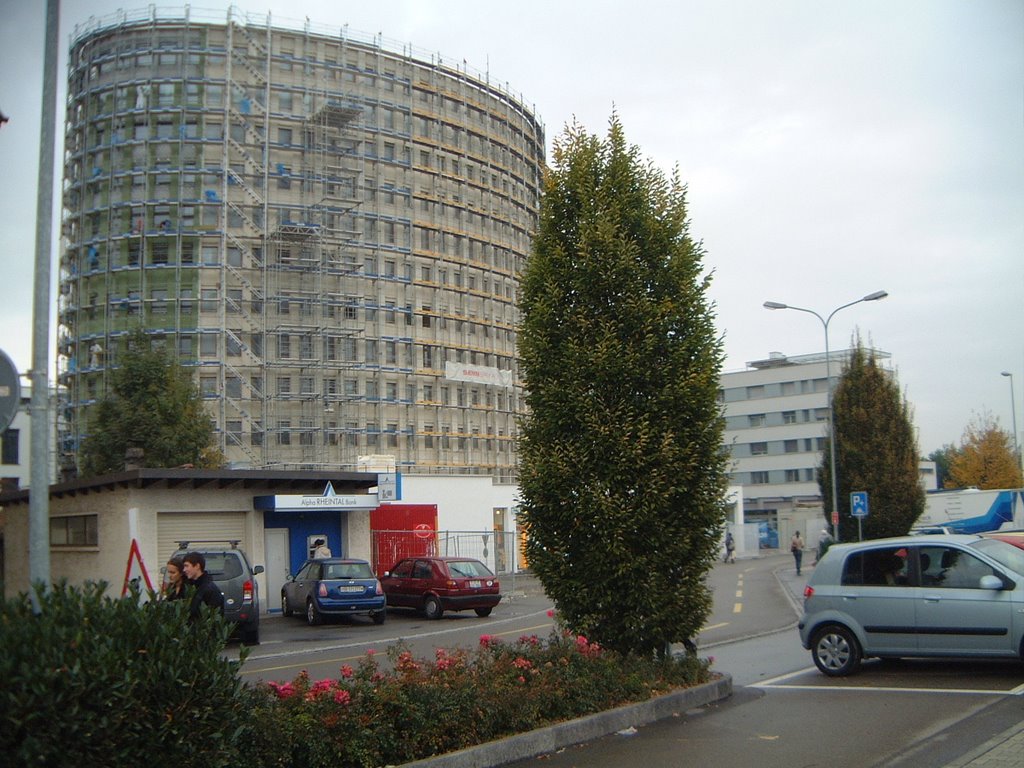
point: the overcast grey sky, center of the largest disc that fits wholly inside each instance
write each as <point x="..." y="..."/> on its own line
<point x="831" y="149"/>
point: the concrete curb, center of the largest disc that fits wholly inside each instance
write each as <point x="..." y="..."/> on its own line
<point x="523" y="746"/>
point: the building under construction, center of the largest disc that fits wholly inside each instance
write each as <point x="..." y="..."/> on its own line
<point x="326" y="227"/>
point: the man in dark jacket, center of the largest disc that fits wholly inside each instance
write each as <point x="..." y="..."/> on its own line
<point x="206" y="592"/>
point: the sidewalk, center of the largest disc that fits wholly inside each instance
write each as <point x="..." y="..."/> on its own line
<point x="1001" y="751"/>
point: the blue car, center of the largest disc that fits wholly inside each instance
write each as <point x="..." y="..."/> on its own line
<point x="334" y="586"/>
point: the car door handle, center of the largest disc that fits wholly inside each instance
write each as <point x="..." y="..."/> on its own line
<point x="932" y="598"/>
<point x="849" y="597"/>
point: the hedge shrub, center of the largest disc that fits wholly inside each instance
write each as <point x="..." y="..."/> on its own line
<point x="89" y="680"/>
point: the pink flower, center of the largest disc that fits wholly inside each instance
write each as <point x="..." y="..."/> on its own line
<point x="521" y="663"/>
<point x="521" y="679"/>
<point x="551" y="613"/>
<point x="342" y="697"/>
<point x="370" y="652"/>
<point x="282" y="690"/>
<point x="489" y="640"/>
<point x="346" y="671"/>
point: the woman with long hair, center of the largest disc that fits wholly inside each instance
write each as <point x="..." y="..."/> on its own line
<point x="174" y="588"/>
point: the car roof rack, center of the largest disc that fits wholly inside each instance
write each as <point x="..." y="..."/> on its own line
<point x="232" y="542"/>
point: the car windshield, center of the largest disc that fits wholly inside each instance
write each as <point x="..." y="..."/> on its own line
<point x="469" y="568"/>
<point x="1006" y="554"/>
<point x="348" y="571"/>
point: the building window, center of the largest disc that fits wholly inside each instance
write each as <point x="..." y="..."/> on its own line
<point x="74" y="531"/>
<point x="9" y="447"/>
<point x="789" y="417"/>
<point x="759" y="478"/>
<point x="792" y="475"/>
<point x="284" y="433"/>
<point x="755" y="420"/>
<point x="791" y="446"/>
<point x="758" y="449"/>
<point x="755" y="392"/>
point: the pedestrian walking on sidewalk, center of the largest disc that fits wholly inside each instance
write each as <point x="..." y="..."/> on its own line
<point x="730" y="548"/>
<point x="796" y="546"/>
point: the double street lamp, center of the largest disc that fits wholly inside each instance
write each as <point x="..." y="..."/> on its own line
<point x="876" y="296"/>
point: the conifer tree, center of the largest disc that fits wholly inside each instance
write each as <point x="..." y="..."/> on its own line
<point x="876" y="450"/>
<point x="622" y="469"/>
<point x="153" y="405"/>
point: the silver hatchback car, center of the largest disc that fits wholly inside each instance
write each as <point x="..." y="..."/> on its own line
<point x="914" y="596"/>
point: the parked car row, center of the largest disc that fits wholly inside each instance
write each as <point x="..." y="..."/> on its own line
<point x="339" y="586"/>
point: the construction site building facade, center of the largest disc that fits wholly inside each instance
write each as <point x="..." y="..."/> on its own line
<point x="325" y="227"/>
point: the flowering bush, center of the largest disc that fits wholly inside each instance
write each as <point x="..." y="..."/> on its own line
<point x="373" y="715"/>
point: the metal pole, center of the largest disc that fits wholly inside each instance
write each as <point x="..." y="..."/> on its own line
<point x="39" y="479"/>
<point x="1013" y="412"/>
<point x="831" y="432"/>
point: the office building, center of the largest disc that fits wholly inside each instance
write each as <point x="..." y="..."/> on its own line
<point x="776" y="413"/>
<point x="325" y="227"/>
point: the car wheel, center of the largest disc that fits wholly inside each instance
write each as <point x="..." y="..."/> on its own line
<point x="251" y="635"/>
<point x="379" y="616"/>
<point x="432" y="608"/>
<point x="482" y="612"/>
<point x="286" y="607"/>
<point x="836" y="651"/>
<point x="312" y="614"/>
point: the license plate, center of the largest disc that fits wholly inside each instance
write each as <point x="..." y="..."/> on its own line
<point x="351" y="589"/>
<point x="475" y="584"/>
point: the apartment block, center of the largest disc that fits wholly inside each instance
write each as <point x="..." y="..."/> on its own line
<point x="326" y="228"/>
<point x="776" y="413"/>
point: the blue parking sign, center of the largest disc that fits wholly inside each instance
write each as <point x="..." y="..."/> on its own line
<point x="859" y="503"/>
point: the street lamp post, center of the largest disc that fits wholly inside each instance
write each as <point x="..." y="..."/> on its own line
<point x="1013" y="415"/>
<point x="876" y="296"/>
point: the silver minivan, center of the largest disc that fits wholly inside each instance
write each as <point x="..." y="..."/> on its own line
<point x="957" y="595"/>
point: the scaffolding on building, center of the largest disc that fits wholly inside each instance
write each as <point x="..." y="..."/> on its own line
<point x="240" y="192"/>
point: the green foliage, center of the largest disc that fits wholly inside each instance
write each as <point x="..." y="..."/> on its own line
<point x="91" y="680"/>
<point x="622" y="471"/>
<point x="986" y="458"/>
<point x="942" y="457"/>
<point x="876" y="450"/>
<point x="370" y="716"/>
<point x="154" y="405"/>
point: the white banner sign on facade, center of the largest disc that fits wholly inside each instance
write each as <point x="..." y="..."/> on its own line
<point x="482" y="374"/>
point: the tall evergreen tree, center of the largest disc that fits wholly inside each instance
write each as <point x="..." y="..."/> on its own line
<point x="153" y="405"/>
<point x="986" y="459"/>
<point x="876" y="450"/>
<point x="622" y="469"/>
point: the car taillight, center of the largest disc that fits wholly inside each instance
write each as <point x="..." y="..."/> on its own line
<point x="247" y="591"/>
<point x="808" y="591"/>
<point x="380" y="591"/>
<point x="323" y="590"/>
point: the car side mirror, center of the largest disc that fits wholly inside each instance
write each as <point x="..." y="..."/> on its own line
<point x="257" y="569"/>
<point x="991" y="582"/>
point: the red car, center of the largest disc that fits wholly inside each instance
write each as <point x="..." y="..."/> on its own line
<point x="1010" y="537"/>
<point x="438" y="584"/>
